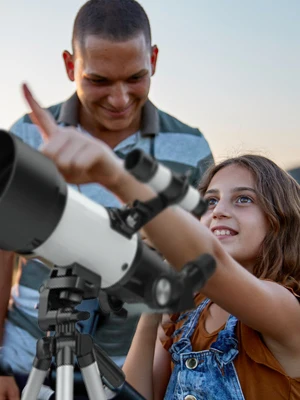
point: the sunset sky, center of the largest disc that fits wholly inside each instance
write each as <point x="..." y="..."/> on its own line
<point x="228" y="67"/>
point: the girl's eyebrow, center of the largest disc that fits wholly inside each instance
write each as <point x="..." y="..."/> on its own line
<point x="214" y="191"/>
<point x="243" y="188"/>
<point x="236" y="189"/>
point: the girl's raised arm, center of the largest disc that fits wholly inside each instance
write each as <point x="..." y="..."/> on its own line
<point x="264" y="306"/>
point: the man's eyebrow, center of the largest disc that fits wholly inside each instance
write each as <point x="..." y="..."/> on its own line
<point x="236" y="189"/>
<point x="97" y="76"/>
<point x="141" y="72"/>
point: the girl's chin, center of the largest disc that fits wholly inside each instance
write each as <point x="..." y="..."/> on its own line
<point x="225" y="238"/>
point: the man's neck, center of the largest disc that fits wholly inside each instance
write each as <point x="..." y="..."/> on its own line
<point x="111" y="138"/>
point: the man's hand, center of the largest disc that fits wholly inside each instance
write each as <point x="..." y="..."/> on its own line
<point x="8" y="388"/>
<point x="79" y="158"/>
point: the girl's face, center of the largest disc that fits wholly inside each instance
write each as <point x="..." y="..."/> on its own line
<point x="234" y="215"/>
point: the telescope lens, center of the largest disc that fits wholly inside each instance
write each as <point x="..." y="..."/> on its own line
<point x="6" y="162"/>
<point x="32" y="195"/>
<point x="4" y="177"/>
<point x="141" y="165"/>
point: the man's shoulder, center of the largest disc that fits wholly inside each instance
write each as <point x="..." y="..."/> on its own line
<point x="180" y="142"/>
<point x="170" y="124"/>
<point x="27" y="131"/>
<point x="182" y="148"/>
<point x="54" y="110"/>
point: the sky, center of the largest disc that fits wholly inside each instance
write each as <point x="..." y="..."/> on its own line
<point x="228" y="67"/>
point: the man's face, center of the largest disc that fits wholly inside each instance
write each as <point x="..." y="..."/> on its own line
<point x="113" y="80"/>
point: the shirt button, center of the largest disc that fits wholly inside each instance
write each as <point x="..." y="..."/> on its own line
<point x="190" y="397"/>
<point x="191" y="363"/>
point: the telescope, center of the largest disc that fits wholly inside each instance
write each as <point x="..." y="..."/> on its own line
<point x="90" y="246"/>
<point x="44" y="217"/>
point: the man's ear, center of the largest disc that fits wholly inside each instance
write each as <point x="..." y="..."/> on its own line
<point x="154" y="55"/>
<point x="69" y="65"/>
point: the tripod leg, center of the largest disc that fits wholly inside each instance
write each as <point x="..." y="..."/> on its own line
<point x="64" y="372"/>
<point x="89" y="368"/>
<point x="41" y="364"/>
<point x="34" y="384"/>
<point x="93" y="382"/>
<point x="64" y="382"/>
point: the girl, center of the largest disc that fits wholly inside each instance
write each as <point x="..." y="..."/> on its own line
<point x="242" y="340"/>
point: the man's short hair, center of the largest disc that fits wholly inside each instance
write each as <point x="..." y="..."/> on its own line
<point x="116" y="20"/>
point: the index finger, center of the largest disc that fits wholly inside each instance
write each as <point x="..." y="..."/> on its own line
<point x="42" y="118"/>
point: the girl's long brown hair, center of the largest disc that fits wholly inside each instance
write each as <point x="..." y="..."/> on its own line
<point x="279" y="197"/>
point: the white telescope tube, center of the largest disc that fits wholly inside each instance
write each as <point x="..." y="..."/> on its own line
<point x="162" y="180"/>
<point x="84" y="235"/>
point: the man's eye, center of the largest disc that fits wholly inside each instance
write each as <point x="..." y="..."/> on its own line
<point x="96" y="81"/>
<point x="135" y="78"/>
<point x="244" y="200"/>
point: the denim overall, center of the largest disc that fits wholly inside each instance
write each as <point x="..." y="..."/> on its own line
<point x="208" y="374"/>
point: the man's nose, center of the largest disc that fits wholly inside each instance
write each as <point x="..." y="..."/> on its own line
<point x="119" y="96"/>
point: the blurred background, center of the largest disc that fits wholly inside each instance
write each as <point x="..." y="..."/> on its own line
<point x="228" y="67"/>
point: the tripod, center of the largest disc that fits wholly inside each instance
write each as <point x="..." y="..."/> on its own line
<point x="59" y="296"/>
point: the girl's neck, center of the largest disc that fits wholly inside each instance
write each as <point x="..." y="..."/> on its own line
<point x="216" y="317"/>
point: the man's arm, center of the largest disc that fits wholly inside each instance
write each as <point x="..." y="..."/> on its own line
<point x="6" y="273"/>
<point x="8" y="387"/>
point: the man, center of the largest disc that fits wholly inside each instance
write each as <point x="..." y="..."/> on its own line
<point x="112" y="64"/>
<point x="295" y="173"/>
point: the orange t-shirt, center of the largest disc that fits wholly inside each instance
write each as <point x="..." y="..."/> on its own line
<point x="260" y="374"/>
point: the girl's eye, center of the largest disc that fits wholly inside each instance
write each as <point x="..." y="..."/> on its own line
<point x="212" y="202"/>
<point x="244" y="200"/>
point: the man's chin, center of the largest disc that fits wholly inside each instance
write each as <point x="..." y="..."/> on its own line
<point x="116" y="126"/>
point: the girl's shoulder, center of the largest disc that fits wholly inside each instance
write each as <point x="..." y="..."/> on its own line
<point x="286" y="286"/>
<point x="199" y="298"/>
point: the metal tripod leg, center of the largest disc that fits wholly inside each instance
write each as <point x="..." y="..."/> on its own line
<point x="65" y="358"/>
<point x="93" y="382"/>
<point x="34" y="384"/>
<point x="103" y="379"/>
<point x="64" y="382"/>
<point x="41" y="364"/>
<point x="89" y="368"/>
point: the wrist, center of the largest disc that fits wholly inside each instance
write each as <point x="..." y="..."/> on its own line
<point x="109" y="174"/>
<point x="129" y="189"/>
<point x="5" y="369"/>
<point x="149" y="322"/>
<point x="118" y="182"/>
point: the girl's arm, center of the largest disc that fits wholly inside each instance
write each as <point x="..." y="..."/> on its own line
<point x="147" y="365"/>
<point x="265" y="306"/>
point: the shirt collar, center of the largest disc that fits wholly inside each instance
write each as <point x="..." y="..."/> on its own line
<point x="69" y="114"/>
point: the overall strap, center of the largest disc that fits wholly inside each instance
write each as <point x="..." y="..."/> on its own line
<point x="231" y="323"/>
<point x="225" y="347"/>
<point x="189" y="326"/>
<point x="186" y="331"/>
